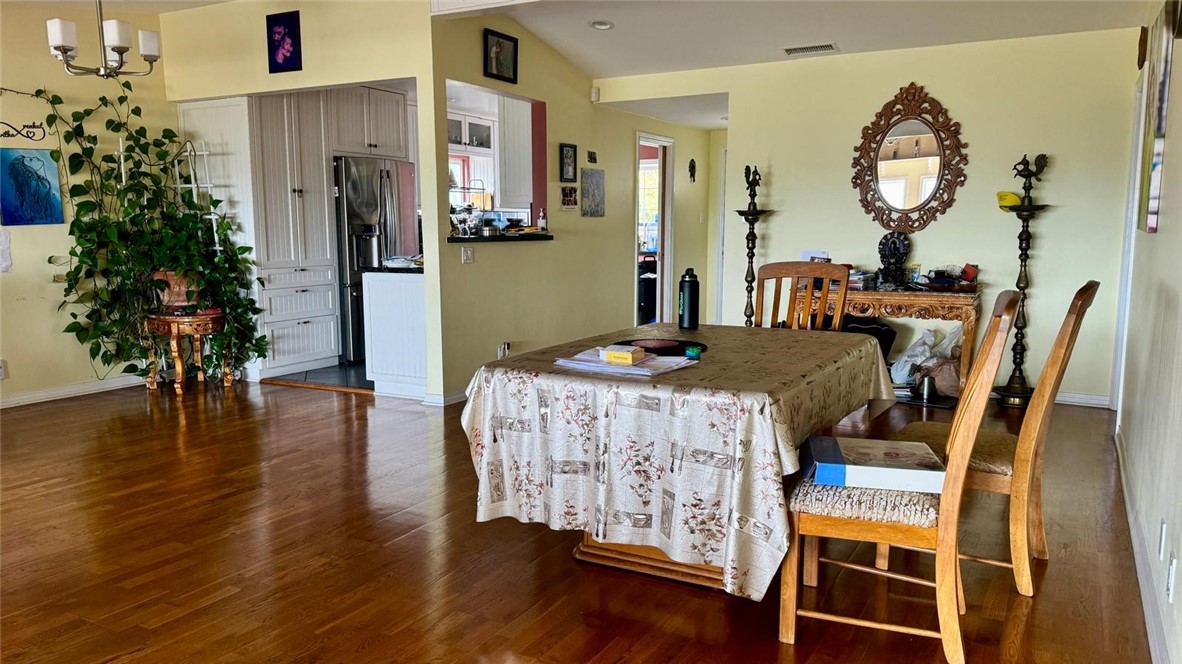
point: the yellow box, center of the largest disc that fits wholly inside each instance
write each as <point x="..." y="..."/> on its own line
<point x="622" y="354"/>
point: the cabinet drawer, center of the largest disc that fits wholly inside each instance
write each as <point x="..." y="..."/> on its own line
<point x="302" y="340"/>
<point x="288" y="303"/>
<point x="294" y="277"/>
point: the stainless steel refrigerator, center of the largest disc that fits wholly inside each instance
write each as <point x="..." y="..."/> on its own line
<point x="376" y="219"/>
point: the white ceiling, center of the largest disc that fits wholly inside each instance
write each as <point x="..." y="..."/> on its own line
<point x="471" y="99"/>
<point x="672" y="35"/>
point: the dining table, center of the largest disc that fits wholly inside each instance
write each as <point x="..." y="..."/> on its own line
<point x="684" y="468"/>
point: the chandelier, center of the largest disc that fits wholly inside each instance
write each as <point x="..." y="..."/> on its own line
<point x="114" y="44"/>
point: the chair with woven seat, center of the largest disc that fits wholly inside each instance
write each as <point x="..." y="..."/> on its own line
<point x="827" y="299"/>
<point x="1004" y="463"/>
<point x="908" y="518"/>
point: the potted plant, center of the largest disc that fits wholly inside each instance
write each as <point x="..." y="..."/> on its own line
<point x="137" y="217"/>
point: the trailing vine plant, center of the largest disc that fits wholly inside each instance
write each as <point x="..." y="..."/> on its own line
<point x="135" y="212"/>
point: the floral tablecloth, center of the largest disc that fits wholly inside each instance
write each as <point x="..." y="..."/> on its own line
<point x="689" y="462"/>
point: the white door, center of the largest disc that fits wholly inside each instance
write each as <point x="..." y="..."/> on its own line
<point x="387" y="124"/>
<point x="514" y="154"/>
<point x="349" y="122"/>
<point x="277" y="182"/>
<point x="316" y="220"/>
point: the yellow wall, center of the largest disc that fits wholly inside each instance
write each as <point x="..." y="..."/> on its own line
<point x="39" y="356"/>
<point x="220" y="51"/>
<point x="582" y="283"/>
<point x="1151" y="421"/>
<point x="1069" y="96"/>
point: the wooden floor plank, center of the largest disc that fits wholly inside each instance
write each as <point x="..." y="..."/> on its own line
<point x="277" y="524"/>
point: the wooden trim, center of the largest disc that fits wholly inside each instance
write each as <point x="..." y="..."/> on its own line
<point x="879" y="572"/>
<point x="646" y="560"/>
<point x="315" y="386"/>
<point x="980" y="481"/>
<point x="867" y="531"/>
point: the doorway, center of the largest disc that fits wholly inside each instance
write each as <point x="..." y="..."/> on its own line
<point x="654" y="219"/>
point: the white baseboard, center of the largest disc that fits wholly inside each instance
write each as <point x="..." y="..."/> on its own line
<point x="1158" y="650"/>
<point x="66" y="391"/>
<point x="441" y="400"/>
<point x="1079" y="399"/>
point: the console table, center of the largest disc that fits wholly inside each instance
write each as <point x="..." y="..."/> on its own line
<point x="927" y="305"/>
<point x="176" y="327"/>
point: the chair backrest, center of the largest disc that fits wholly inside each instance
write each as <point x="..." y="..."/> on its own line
<point x="971" y="410"/>
<point x="1038" y="412"/>
<point x="805" y="295"/>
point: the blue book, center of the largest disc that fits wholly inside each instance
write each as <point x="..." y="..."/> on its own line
<point x="875" y="464"/>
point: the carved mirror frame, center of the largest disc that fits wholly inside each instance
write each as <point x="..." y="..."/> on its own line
<point x="911" y="103"/>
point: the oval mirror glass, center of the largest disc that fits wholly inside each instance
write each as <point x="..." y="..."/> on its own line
<point x="907" y="169"/>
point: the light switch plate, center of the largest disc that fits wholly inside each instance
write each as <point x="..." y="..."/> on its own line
<point x="3" y="370"/>
<point x="1170" y="574"/>
<point x="466" y="255"/>
<point x="1161" y="541"/>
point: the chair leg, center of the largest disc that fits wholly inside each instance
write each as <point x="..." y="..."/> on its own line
<point x="1020" y="535"/>
<point x="1037" y="526"/>
<point x="882" y="556"/>
<point x="790" y="585"/>
<point x="961" y="606"/>
<point x="947" y="604"/>
<point x="812" y="554"/>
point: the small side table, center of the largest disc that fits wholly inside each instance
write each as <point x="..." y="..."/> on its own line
<point x="176" y="327"/>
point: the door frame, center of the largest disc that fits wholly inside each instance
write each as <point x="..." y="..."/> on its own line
<point x="718" y="282"/>
<point x="665" y="251"/>
<point x="1125" y="286"/>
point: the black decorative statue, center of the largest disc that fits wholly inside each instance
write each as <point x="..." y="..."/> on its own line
<point x="751" y="215"/>
<point x="893" y="250"/>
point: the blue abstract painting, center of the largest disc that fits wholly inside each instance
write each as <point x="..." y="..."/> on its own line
<point x="30" y="189"/>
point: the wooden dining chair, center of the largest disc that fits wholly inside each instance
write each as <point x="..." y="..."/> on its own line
<point x="1004" y="463"/>
<point x="805" y="296"/>
<point x="910" y="518"/>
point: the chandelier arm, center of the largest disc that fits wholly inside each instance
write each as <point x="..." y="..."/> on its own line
<point x="79" y="70"/>
<point x="151" y="66"/>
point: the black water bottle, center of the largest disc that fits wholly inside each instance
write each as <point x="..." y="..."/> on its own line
<point x="687" y="301"/>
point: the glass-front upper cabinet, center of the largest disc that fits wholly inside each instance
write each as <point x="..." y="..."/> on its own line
<point x="480" y="133"/>
<point x="455" y="129"/>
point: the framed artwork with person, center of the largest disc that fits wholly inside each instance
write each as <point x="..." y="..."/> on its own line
<point x="284" y="52"/>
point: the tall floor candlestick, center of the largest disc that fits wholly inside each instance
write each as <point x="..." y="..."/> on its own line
<point x="1016" y="392"/>
<point x="751" y="215"/>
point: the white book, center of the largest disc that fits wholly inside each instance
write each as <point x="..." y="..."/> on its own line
<point x="876" y="464"/>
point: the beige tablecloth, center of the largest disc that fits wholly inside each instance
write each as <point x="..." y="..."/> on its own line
<point x="690" y="462"/>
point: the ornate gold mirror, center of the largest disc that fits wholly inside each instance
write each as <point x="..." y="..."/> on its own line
<point x="910" y="162"/>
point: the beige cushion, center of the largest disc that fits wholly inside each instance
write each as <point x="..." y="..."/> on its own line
<point x="911" y="508"/>
<point x="993" y="452"/>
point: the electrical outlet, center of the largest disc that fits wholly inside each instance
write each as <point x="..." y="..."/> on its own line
<point x="503" y="350"/>
<point x="1170" y="578"/>
<point x="466" y="255"/>
<point x="1161" y="541"/>
<point x="3" y="369"/>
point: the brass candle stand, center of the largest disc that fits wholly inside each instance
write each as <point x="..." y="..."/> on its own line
<point x="751" y="215"/>
<point x="1016" y="392"/>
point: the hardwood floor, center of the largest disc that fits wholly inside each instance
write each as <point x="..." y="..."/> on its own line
<point x="273" y="524"/>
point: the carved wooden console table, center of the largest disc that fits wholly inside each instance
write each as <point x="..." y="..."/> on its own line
<point x="176" y="327"/>
<point x="927" y="305"/>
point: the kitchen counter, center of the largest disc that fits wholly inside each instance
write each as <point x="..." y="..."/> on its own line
<point x="394" y="270"/>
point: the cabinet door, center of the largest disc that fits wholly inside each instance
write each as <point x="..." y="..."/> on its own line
<point x="314" y="198"/>
<point x="387" y="123"/>
<point x="480" y="135"/>
<point x="455" y="129"/>
<point x="514" y="154"/>
<point x="303" y="340"/>
<point x="278" y="233"/>
<point x="349" y="123"/>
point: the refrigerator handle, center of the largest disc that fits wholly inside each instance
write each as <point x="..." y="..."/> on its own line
<point x="390" y="231"/>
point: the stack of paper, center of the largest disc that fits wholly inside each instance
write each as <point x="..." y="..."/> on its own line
<point x="652" y="365"/>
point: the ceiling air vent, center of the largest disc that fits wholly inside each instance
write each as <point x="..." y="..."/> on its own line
<point x="809" y="51"/>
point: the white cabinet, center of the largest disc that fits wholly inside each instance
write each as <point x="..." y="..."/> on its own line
<point x="468" y="134"/>
<point x="368" y="121"/>
<point x="292" y="182"/>
<point x="514" y="154"/>
<point x="295" y="229"/>
<point x="395" y="333"/>
<point x="458" y="6"/>
<point x="293" y="342"/>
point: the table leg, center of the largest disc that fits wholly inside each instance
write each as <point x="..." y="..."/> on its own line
<point x="967" y="348"/>
<point x="199" y="358"/>
<point x="153" y="369"/>
<point x="178" y="362"/>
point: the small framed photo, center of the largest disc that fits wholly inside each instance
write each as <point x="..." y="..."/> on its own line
<point x="568" y="157"/>
<point x="570" y="198"/>
<point x="592" y="157"/>
<point x="284" y="52"/>
<point x="500" y="56"/>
